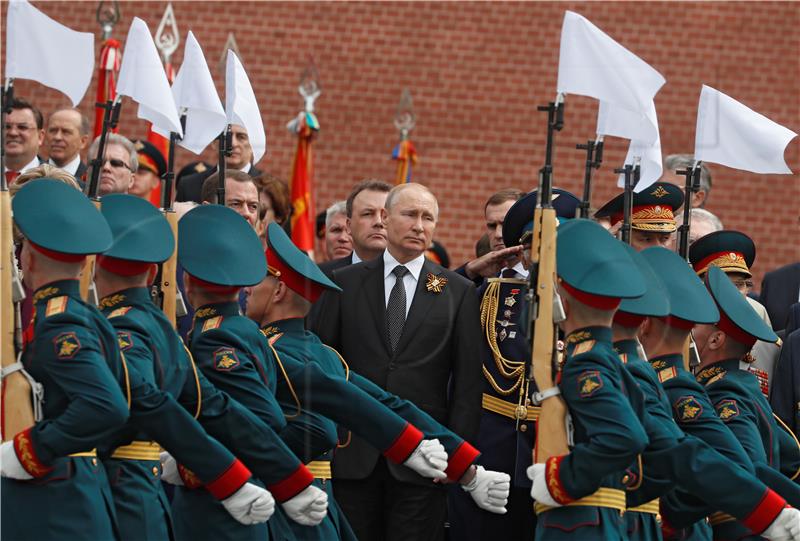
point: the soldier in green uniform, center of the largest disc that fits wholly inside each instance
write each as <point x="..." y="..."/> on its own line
<point x="233" y="353"/>
<point x="73" y="352"/>
<point x="736" y="393"/>
<point x="580" y="495"/>
<point x="279" y="305"/>
<point x="142" y="238"/>
<point x="673" y="458"/>
<point x="664" y="339"/>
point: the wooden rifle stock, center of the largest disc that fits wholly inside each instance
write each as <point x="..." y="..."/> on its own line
<point x="551" y="429"/>
<point x="168" y="285"/>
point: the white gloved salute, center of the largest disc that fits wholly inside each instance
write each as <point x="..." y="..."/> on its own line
<point x="785" y="527"/>
<point x="539" y="490"/>
<point x="309" y="507"/>
<point x="429" y="460"/>
<point x="10" y="465"/>
<point x="251" y="504"/>
<point x="489" y="489"/>
<point x="169" y="469"/>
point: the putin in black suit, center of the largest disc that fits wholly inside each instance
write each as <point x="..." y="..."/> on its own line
<point x="413" y="328"/>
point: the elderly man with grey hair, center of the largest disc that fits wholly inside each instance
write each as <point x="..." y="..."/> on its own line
<point x="678" y="162"/>
<point x="118" y="166"/>
<point x="338" y="242"/>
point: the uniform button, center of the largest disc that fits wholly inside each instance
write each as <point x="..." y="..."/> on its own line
<point x="523" y="428"/>
<point x="155" y="471"/>
<point x="626" y="478"/>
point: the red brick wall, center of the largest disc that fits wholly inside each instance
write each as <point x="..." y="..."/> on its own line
<point x="477" y="72"/>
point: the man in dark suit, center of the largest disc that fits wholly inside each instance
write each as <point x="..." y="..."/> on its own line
<point x="363" y="207"/>
<point x="412" y="328"/>
<point x="66" y="136"/>
<point x="190" y="187"/>
<point x="779" y="290"/>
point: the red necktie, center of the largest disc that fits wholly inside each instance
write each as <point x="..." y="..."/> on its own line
<point x="11" y="176"/>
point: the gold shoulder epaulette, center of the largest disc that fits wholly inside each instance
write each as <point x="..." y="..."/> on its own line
<point x="212" y="323"/>
<point x="56" y="305"/>
<point x="120" y="311"/>
<point x="667" y="374"/>
<point x="583" y="347"/>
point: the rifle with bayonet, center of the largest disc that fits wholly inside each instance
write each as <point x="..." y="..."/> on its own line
<point x="594" y="157"/>
<point x="225" y="141"/>
<point x="17" y="398"/>
<point x="551" y="427"/>
<point x="691" y="358"/>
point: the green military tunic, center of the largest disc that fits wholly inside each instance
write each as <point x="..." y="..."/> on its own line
<point x="602" y="399"/>
<point x="69" y="496"/>
<point x="152" y="346"/>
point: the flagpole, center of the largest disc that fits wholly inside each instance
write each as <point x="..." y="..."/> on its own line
<point x="594" y="157"/>
<point x="404" y="152"/>
<point x="107" y="17"/>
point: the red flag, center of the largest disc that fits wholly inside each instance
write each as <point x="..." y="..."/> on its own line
<point x="161" y="143"/>
<point x="303" y="215"/>
<point x="110" y="57"/>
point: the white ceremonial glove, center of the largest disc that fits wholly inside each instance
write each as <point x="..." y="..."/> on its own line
<point x="489" y="489"/>
<point x="169" y="470"/>
<point x="429" y="460"/>
<point x="785" y="527"/>
<point x="539" y="490"/>
<point x="9" y="463"/>
<point x="309" y="507"/>
<point x="251" y="504"/>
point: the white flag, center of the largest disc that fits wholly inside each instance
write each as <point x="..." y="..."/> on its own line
<point x="46" y="51"/>
<point x="592" y="64"/>
<point x="648" y="155"/>
<point x="620" y="122"/>
<point x="194" y="92"/>
<point x="730" y="133"/>
<point x="241" y="105"/>
<point x="143" y="79"/>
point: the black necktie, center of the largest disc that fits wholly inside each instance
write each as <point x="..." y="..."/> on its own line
<point x="396" y="309"/>
<point x="508" y="273"/>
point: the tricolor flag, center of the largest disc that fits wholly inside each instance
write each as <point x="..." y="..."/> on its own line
<point x="406" y="156"/>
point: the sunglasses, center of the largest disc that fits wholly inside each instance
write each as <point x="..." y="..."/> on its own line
<point x="117" y="164"/>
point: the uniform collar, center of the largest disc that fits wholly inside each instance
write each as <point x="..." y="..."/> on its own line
<point x="596" y="334"/>
<point x="667" y="361"/>
<point x="70" y="288"/>
<point x="710" y="374"/>
<point x="132" y="295"/>
<point x="627" y="347"/>
<point x="293" y="325"/>
<point x="208" y="311"/>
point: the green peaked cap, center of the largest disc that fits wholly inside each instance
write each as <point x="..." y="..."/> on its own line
<point x="218" y="246"/>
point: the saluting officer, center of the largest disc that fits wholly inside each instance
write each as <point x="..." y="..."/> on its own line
<point x="142" y="238"/>
<point x="581" y="495"/>
<point x="279" y="304"/>
<point x="673" y="458"/>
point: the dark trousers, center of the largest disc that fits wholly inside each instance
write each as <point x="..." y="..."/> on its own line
<point x="381" y="508"/>
<point x="470" y="523"/>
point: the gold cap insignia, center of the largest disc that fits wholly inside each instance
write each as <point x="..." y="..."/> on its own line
<point x="659" y="192"/>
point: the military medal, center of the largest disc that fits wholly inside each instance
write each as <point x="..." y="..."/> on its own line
<point x="502" y="334"/>
<point x="507" y="314"/>
<point x="435" y="283"/>
<point x="510" y="301"/>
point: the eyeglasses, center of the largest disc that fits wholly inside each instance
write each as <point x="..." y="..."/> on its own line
<point x="117" y="164"/>
<point x="742" y="284"/>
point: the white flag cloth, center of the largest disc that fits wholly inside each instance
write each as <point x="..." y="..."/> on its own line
<point x="241" y="105"/>
<point x="194" y="92"/>
<point x="648" y="153"/>
<point x="143" y="79"/>
<point x="592" y="64"/>
<point x="620" y="122"/>
<point x="730" y="133"/>
<point x="46" y="51"/>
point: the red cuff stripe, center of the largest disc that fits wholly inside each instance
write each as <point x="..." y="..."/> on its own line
<point x="399" y="451"/>
<point x="554" y="485"/>
<point x="463" y="457"/>
<point x="765" y="512"/>
<point x="291" y="486"/>
<point x="229" y="482"/>
<point x="26" y="454"/>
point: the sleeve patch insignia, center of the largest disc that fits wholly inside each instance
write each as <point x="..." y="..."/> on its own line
<point x="727" y="410"/>
<point x="56" y="305"/>
<point x="125" y="340"/>
<point x="120" y="311"/>
<point x="212" y="323"/>
<point x="66" y="345"/>
<point x="583" y="347"/>
<point x="589" y="382"/>
<point x="688" y="409"/>
<point x="225" y="359"/>
<point x="667" y="374"/>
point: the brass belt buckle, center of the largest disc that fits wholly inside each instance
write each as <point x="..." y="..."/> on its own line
<point x="521" y="412"/>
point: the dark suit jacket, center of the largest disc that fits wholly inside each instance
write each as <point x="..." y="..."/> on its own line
<point x="329" y="266"/>
<point x="779" y="290"/>
<point x="191" y="186"/>
<point x="437" y="364"/>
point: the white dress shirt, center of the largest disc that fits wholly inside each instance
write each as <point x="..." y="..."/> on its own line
<point x="71" y="167"/>
<point x="410" y="280"/>
<point x="519" y="268"/>
<point x="34" y="163"/>
<point x="355" y="259"/>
